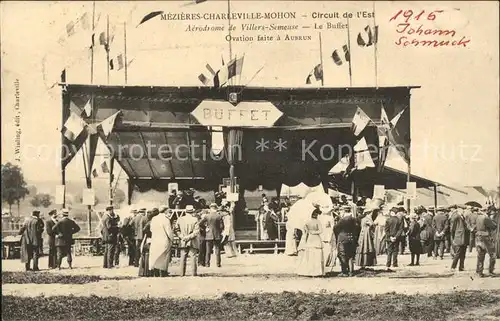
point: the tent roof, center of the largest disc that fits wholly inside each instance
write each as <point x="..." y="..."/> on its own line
<point x="391" y="178"/>
<point x="157" y="121"/>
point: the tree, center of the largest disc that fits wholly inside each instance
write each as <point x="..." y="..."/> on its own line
<point x="119" y="197"/>
<point x="44" y="200"/>
<point x="79" y="197"/>
<point x="13" y="185"/>
<point x="32" y="190"/>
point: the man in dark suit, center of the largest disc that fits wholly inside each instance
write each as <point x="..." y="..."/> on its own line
<point x="202" y="243"/>
<point x="49" y="228"/>
<point x="460" y="237"/>
<point x="485" y="243"/>
<point x="471" y="214"/>
<point x="187" y="229"/>
<point x="64" y="230"/>
<point x="31" y="239"/>
<point x="138" y="223"/>
<point x="441" y="227"/>
<point x="127" y="231"/>
<point x="214" y="228"/>
<point x="393" y="232"/>
<point x="109" y="237"/>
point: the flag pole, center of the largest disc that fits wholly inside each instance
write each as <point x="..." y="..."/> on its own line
<point x="107" y="47"/>
<point x="321" y="61"/>
<point x="87" y="175"/>
<point x="375" y="46"/>
<point x="349" y="49"/>
<point x="125" y="50"/>
<point x="92" y="47"/>
<point x="229" y="33"/>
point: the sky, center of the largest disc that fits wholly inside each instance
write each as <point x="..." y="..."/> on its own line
<point x="454" y="115"/>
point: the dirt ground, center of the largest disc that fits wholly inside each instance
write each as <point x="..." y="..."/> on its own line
<point x="250" y="287"/>
<point x="250" y="274"/>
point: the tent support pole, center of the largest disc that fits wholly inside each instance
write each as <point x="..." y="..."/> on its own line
<point x="408" y="176"/>
<point x="130" y="191"/>
<point x="111" y="179"/>
<point x="435" y="196"/>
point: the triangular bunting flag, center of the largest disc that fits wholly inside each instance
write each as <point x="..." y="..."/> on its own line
<point x="359" y="121"/>
<point x="73" y="127"/>
<point x="108" y="124"/>
<point x="341" y="166"/>
<point x="396" y="118"/>
<point x="364" y="160"/>
<point x="361" y="145"/>
<point x="308" y="79"/>
<point x="88" y="109"/>
<point x="94" y="173"/>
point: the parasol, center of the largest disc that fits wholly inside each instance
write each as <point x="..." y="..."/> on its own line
<point x="322" y="200"/>
<point x="300" y="213"/>
<point x="473" y="204"/>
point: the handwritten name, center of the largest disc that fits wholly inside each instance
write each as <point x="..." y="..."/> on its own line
<point x="414" y="33"/>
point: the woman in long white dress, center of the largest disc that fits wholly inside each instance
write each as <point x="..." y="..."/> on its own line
<point x="161" y="244"/>
<point x="311" y="259"/>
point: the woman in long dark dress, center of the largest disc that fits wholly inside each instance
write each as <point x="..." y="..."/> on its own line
<point x="144" y="269"/>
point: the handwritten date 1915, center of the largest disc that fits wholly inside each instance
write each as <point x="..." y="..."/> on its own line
<point x="409" y="14"/>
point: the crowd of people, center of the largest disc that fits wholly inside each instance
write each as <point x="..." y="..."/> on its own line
<point x="375" y="229"/>
<point x="353" y="235"/>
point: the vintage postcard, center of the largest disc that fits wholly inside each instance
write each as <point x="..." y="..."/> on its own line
<point x="250" y="160"/>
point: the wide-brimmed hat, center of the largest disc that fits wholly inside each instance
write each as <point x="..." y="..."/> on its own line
<point x="374" y="204"/>
<point x="65" y="212"/>
<point x="189" y="209"/>
<point x="109" y="207"/>
<point x="53" y="212"/>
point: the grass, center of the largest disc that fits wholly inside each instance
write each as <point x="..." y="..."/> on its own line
<point x="264" y="306"/>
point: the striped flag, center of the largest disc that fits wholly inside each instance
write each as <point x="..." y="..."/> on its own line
<point x="73" y="127"/>
<point x="359" y="121"/>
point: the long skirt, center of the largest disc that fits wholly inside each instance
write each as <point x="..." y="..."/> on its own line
<point x="290" y="245"/>
<point x="144" y="263"/>
<point x="415" y="247"/>
<point x="311" y="262"/>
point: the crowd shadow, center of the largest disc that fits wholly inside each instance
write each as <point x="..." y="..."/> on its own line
<point x="45" y="277"/>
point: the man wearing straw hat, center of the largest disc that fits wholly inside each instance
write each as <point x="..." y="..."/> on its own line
<point x="187" y="229"/>
<point x="64" y="230"/>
